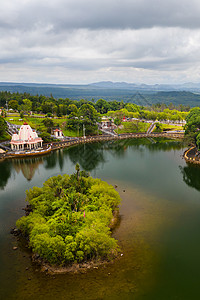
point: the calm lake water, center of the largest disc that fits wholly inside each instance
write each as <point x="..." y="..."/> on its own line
<point x="158" y="231"/>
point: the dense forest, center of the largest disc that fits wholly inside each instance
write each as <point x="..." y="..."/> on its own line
<point x="142" y="96"/>
<point x="77" y="115"/>
<point x="44" y="104"/>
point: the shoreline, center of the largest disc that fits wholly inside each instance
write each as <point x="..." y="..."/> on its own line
<point x="72" y="268"/>
<point x="97" y="138"/>
<point x="81" y="267"/>
<point x="192" y="155"/>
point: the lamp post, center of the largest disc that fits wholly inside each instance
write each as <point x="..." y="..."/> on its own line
<point x="83" y="131"/>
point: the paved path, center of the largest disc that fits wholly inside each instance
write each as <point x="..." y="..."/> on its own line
<point x="192" y="155"/>
<point x="98" y="138"/>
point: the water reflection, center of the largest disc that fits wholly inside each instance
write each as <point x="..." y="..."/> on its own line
<point x="5" y="173"/>
<point x="27" y="166"/>
<point x="191" y="175"/>
<point x="89" y="156"/>
<point x="154" y="145"/>
<point x="158" y="233"/>
<point x="51" y="160"/>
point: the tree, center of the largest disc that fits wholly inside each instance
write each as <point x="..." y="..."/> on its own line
<point x="3" y="126"/>
<point x="89" y="117"/>
<point x="21" y="114"/>
<point x="48" y="106"/>
<point x="102" y="106"/>
<point x="117" y="122"/>
<point x="13" y="104"/>
<point x="27" y="105"/>
<point x="88" y="112"/>
<point x="192" y="126"/>
<point x="193" y="120"/>
<point x="198" y="141"/>
<point x="78" y="171"/>
<point x="131" y="107"/>
<point x="158" y="127"/>
<point x="48" y="123"/>
<point x="72" y="110"/>
<point x="58" y="111"/>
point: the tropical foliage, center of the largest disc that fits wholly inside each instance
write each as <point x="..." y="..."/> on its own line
<point x="192" y="127"/>
<point x="70" y="219"/>
<point x="3" y="127"/>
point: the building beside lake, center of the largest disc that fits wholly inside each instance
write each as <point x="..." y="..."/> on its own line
<point x="105" y="123"/>
<point x="58" y="133"/>
<point x="26" y="139"/>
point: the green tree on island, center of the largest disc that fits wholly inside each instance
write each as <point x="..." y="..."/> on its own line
<point x="70" y="219"/>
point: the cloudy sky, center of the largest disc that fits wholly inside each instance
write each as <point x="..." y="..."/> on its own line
<point x="83" y="41"/>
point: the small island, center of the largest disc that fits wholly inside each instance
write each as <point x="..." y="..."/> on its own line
<point x="69" y="220"/>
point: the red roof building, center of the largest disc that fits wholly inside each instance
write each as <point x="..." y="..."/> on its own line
<point x="26" y="139"/>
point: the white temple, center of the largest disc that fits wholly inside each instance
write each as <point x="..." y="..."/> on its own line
<point x="26" y="139"/>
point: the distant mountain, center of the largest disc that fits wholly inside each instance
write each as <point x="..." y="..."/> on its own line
<point x="189" y="86"/>
<point x="156" y="87"/>
<point x="114" y="85"/>
<point x="142" y="94"/>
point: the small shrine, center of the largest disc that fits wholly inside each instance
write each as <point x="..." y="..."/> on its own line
<point x="105" y="123"/>
<point x="27" y="139"/>
<point x="58" y="133"/>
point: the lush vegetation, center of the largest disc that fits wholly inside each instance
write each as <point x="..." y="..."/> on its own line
<point x="61" y="107"/>
<point x="78" y="118"/>
<point x="130" y="127"/>
<point x="143" y="96"/>
<point x="3" y="127"/>
<point x="70" y="219"/>
<point x="166" y="127"/>
<point x="192" y="127"/>
<point x="148" y="113"/>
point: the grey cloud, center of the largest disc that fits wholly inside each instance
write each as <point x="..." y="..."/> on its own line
<point x="97" y="37"/>
<point x="85" y="49"/>
<point x="66" y="14"/>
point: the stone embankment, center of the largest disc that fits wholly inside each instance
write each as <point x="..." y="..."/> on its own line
<point x="192" y="155"/>
<point x="98" y="138"/>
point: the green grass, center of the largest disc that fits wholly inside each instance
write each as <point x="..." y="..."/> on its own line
<point x="132" y="127"/>
<point x="70" y="133"/>
<point x="171" y="127"/>
<point x="168" y="127"/>
<point x="14" y="120"/>
<point x="35" y="123"/>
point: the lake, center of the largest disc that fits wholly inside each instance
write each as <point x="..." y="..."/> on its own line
<point x="158" y="229"/>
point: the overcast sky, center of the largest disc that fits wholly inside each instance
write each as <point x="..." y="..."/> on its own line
<point x="84" y="41"/>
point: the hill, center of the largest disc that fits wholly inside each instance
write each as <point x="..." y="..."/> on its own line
<point x="142" y="94"/>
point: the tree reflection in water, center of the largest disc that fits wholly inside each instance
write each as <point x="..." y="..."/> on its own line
<point x="191" y="175"/>
<point x="90" y="156"/>
<point x="5" y="173"/>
